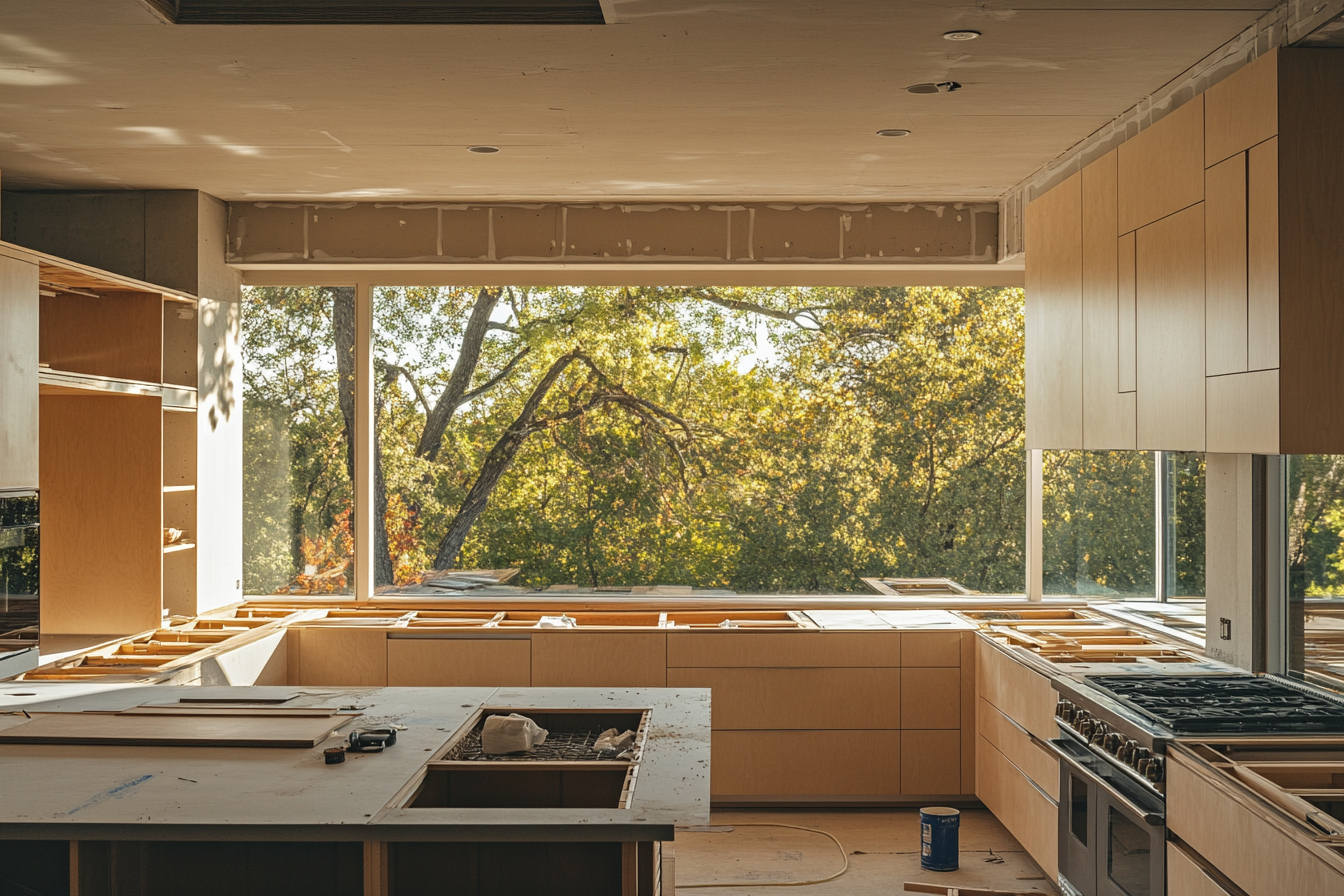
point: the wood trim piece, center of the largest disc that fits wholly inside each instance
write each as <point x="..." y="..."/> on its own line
<point x="1262" y="256"/>
<point x="1055" y="318"/>
<point x="1169" y="312"/>
<point x="1225" y="312"/>
<point x="969" y="705"/>
<point x="801" y="698"/>
<point x="1161" y="169"/>
<point x="1242" y="109"/>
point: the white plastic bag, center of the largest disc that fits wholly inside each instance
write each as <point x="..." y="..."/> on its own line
<point x="513" y="733"/>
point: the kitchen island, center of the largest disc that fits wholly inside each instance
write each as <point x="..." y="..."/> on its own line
<point x="232" y="817"/>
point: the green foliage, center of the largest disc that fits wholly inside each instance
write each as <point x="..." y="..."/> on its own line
<point x="803" y="438"/>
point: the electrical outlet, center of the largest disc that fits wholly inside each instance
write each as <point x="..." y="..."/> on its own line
<point x="1224" y="628"/>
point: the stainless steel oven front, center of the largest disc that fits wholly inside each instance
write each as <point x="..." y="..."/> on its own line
<point x="1112" y="832"/>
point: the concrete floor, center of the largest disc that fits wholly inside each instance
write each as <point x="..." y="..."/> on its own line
<point x="882" y="845"/>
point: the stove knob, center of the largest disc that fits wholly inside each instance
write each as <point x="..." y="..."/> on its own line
<point x="1064" y="711"/>
<point x="1098" y="737"/>
<point x="1082" y="723"/>
<point x="1154" y="771"/>
<point x="1126" y="752"/>
<point x="1113" y="742"/>
<point x="1140" y="756"/>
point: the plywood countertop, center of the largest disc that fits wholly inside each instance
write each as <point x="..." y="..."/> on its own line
<point x="80" y="792"/>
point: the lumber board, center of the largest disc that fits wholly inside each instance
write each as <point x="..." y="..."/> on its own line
<point x="185" y="731"/>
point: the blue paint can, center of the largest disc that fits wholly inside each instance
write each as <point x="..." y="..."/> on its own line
<point x="938" y="831"/>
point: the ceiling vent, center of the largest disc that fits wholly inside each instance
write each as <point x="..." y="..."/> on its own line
<point x="931" y="87"/>
<point x="378" y="12"/>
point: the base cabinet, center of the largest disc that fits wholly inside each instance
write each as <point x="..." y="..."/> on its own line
<point x="1186" y="875"/>
<point x="1024" y="809"/>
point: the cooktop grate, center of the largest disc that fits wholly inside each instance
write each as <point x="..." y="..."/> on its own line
<point x="1230" y="704"/>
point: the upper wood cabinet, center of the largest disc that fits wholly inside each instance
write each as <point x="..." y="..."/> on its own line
<point x="18" y="372"/>
<point x="1221" y="307"/>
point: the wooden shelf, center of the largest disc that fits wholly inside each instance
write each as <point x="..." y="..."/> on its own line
<point x="181" y="546"/>
<point x="178" y="488"/>
<point x="64" y="382"/>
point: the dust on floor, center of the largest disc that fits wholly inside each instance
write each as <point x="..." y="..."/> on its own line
<point x="882" y="846"/>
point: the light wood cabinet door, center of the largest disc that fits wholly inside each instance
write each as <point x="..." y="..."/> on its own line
<point x="1243" y="413"/>
<point x="570" y="659"/>
<point x="1225" y="267"/>
<point x="1022" y="694"/>
<point x="1055" y="318"/>
<point x="930" y="698"/>
<point x="18" y="374"/>
<point x="1242" y="109"/>
<point x="798" y="698"/>
<point x="1017" y="747"/>
<point x="338" y="657"/>
<point x="931" y="763"/>
<point x="459" y="662"/>
<point x="1169" y="274"/>
<point x="1108" y="412"/>
<point x="1162" y="169"/>
<point x="806" y="763"/>
<point x="802" y="649"/>
<point x="1262" y="256"/>
<point x="931" y="648"/>
<point x="1186" y="877"/>
<point x="1021" y="807"/>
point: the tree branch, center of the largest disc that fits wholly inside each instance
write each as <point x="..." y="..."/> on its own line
<point x="468" y="357"/>
<point x="494" y="380"/>
<point x="392" y="372"/>
<point x="794" y="317"/>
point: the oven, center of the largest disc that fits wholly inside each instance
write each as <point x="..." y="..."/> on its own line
<point x="1112" y="831"/>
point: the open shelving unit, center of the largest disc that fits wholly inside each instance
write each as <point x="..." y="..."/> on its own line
<point x="117" y="441"/>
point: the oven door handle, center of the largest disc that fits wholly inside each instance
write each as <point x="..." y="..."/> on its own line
<point x="1149" y="816"/>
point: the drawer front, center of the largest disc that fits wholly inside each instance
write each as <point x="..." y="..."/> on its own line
<point x="1233" y="835"/>
<point x="338" y="657"/>
<point x="783" y="649"/>
<point x="1028" y="814"/>
<point x="805" y="763"/>
<point x="931" y="763"/>
<point x="1186" y="878"/>
<point x="569" y="659"/>
<point x="931" y="698"/>
<point x="797" y="698"/>
<point x="931" y="648"/>
<point x="1017" y="747"/>
<point x="1022" y="694"/>
<point x="458" y="662"/>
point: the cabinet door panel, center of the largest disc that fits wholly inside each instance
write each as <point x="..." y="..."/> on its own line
<point x="1225" y="266"/>
<point x="1027" y="813"/>
<point x="18" y="373"/>
<point x="1242" y="109"/>
<point x="1243" y="413"/>
<point x="458" y="662"/>
<point x="569" y="659"/>
<point x="931" y="762"/>
<point x="1262" y="242"/>
<point x="1162" y="169"/>
<point x="798" y="698"/>
<point x="1186" y="877"/>
<point x="1108" y="413"/>
<point x="786" y="763"/>
<point x="1055" y="318"/>
<point x="1169" y="310"/>
<point x="784" y="649"/>
<point x="338" y="657"/>
<point x="930" y="698"/>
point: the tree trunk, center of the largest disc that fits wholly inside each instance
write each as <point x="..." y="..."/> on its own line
<point x="468" y="357"/>
<point x="343" y="326"/>
<point x="496" y="464"/>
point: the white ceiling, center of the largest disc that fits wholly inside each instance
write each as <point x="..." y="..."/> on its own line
<point x="741" y="100"/>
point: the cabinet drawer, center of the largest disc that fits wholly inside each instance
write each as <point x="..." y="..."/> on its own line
<point x="1020" y="693"/>
<point x="783" y="649"/>
<point x="798" y="698"/>
<point x="1186" y="878"/>
<point x="569" y="659"/>
<point x="458" y="662"/>
<point x="1017" y="747"/>
<point x="1029" y="815"/>
<point x="931" y="698"/>
<point x="338" y="657"/>
<point x="931" y="763"/>
<point x="805" y="763"/>
<point x="1235" y="834"/>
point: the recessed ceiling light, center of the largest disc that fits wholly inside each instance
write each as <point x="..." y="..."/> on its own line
<point x="893" y="132"/>
<point x="961" y="35"/>
<point x="483" y="149"/>
<point x="931" y="87"/>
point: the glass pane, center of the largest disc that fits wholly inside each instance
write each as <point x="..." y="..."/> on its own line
<point x="614" y="437"/>
<point x="1129" y="855"/>
<point x="1098" y="530"/>
<point x="1078" y="808"/>
<point x="298" y="447"/>
<point x="1315" y="560"/>
<point x="1184" y="503"/>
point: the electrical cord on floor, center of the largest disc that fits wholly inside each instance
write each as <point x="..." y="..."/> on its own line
<point x="782" y="883"/>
